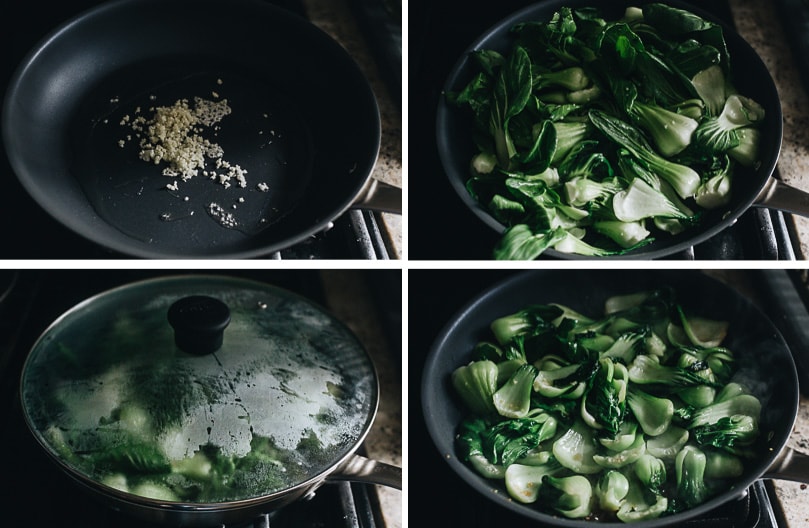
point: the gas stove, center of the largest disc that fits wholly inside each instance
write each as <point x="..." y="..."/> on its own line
<point x="31" y="300"/>
<point x="439" y="34"/>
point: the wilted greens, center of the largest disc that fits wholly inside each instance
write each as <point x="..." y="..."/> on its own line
<point x="630" y="415"/>
<point x="129" y="458"/>
<point x="597" y="136"/>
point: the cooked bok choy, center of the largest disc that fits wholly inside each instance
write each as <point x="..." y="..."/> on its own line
<point x="597" y="136"/>
<point x="630" y="415"/>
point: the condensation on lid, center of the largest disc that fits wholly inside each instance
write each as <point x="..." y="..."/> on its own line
<point x="290" y="392"/>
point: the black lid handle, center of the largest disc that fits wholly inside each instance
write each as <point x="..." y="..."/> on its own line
<point x="199" y="323"/>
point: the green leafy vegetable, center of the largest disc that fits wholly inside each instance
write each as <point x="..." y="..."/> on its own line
<point x="611" y="489"/>
<point x="631" y="415"/>
<point x="690" y="468"/>
<point x="651" y="471"/>
<point x="670" y="131"/>
<point x="604" y="404"/>
<point x="476" y="383"/>
<point x="523" y="482"/>
<point x="597" y="137"/>
<point x="682" y="178"/>
<point x="569" y="496"/>
<point x="513" y="400"/>
<point x="653" y="413"/>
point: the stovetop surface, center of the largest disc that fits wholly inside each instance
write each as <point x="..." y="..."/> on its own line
<point x="440" y="31"/>
<point x="42" y="493"/>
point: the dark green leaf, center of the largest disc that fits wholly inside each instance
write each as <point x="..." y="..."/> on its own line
<point x="505" y="210"/>
<point x="619" y="48"/>
<point x="691" y="57"/>
<point x="586" y="160"/>
<point x="510" y="440"/>
<point x="513" y="88"/>
<point x="519" y="242"/>
<point x="490" y="61"/>
<point x="539" y="157"/>
<point x="675" y="22"/>
<point x="603" y="401"/>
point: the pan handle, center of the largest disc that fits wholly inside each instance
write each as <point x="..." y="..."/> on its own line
<point x="789" y="465"/>
<point x="778" y="195"/>
<point x="379" y="196"/>
<point x="361" y="469"/>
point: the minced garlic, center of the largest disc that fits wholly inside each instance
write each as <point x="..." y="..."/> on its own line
<point x="173" y="136"/>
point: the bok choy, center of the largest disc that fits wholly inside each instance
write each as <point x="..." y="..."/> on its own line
<point x="557" y="115"/>
<point x="626" y="416"/>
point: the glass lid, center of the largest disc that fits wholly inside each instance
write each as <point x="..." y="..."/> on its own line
<point x="198" y="389"/>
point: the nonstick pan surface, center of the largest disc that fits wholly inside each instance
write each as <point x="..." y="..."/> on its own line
<point x="304" y="122"/>
<point x="750" y="75"/>
<point x="764" y="362"/>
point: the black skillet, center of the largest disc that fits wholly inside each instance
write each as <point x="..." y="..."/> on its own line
<point x="763" y="357"/>
<point x="752" y="188"/>
<point x="304" y="121"/>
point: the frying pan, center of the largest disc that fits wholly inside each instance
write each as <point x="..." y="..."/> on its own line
<point x="764" y="361"/>
<point x="751" y="187"/>
<point x="228" y="363"/>
<point x="304" y="121"/>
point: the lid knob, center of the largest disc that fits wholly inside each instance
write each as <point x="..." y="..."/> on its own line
<point x="199" y="322"/>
